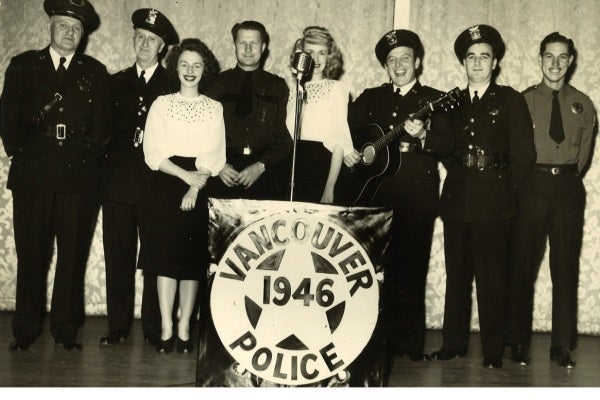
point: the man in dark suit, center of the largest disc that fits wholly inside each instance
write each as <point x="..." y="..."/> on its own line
<point x="493" y="154"/>
<point x="254" y="108"/>
<point x="133" y="91"/>
<point x="551" y="204"/>
<point x="54" y="109"/>
<point x="413" y="190"/>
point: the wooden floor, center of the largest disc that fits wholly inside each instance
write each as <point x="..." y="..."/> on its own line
<point x="134" y="364"/>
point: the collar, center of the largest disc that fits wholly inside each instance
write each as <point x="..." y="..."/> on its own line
<point x="547" y="90"/>
<point x="56" y="58"/>
<point x="149" y="71"/>
<point x="406" y="88"/>
<point x="480" y="91"/>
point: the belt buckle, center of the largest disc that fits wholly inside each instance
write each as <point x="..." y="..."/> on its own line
<point x="555" y="170"/>
<point x="61" y="131"/>
<point x="247" y="150"/>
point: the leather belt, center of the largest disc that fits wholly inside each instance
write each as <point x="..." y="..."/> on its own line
<point x="559" y="169"/>
<point x="485" y="161"/>
<point x="246" y="151"/>
<point x="61" y="131"/>
<point x="407" y="147"/>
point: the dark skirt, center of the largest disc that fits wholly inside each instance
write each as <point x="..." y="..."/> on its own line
<point x="311" y="172"/>
<point x="173" y="243"/>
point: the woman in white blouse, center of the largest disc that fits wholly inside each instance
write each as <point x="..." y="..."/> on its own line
<point x="324" y="136"/>
<point x="184" y="145"/>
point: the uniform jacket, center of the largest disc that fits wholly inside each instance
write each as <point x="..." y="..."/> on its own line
<point x="41" y="162"/>
<point x="418" y="177"/>
<point x="123" y="162"/>
<point x="500" y="123"/>
<point x="264" y="129"/>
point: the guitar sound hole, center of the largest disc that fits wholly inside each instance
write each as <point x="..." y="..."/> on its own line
<point x="368" y="154"/>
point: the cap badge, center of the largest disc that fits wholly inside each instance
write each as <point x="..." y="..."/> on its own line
<point x="152" y="14"/>
<point x="474" y="32"/>
<point x="391" y="38"/>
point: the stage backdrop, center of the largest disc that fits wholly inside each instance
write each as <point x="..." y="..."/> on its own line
<point x="356" y="25"/>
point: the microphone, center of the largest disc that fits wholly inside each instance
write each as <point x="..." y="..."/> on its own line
<point x="302" y="62"/>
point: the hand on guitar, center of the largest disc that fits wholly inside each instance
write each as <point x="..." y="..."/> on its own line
<point x="352" y="159"/>
<point x="415" y="128"/>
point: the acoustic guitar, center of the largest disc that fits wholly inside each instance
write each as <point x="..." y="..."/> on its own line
<point x="359" y="184"/>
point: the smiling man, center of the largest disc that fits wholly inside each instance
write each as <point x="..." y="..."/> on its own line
<point x="552" y="204"/>
<point x="413" y="190"/>
<point x="493" y="155"/>
<point x="54" y="110"/>
<point x="134" y="89"/>
<point x="254" y="107"/>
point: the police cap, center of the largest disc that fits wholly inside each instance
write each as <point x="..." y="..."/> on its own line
<point x="154" y="21"/>
<point x="479" y="34"/>
<point x="398" y="38"/>
<point x="79" y="9"/>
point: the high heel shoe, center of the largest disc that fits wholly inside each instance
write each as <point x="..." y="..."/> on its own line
<point x="166" y="346"/>
<point x="184" y="346"/>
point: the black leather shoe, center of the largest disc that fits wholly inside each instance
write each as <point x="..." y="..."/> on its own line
<point x="20" y="345"/>
<point x="562" y="356"/>
<point x="114" y="337"/>
<point x="419" y="357"/>
<point x="69" y="344"/>
<point x="518" y="354"/>
<point x="444" y="355"/>
<point x="152" y="340"/>
<point x="166" y="346"/>
<point x="184" y="346"/>
<point x="492" y="362"/>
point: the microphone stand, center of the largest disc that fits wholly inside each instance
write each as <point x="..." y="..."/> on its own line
<point x="300" y="95"/>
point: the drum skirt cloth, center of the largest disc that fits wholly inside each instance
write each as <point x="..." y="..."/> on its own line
<point x="173" y="243"/>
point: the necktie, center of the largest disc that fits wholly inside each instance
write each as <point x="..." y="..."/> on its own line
<point x="60" y="71"/>
<point x="244" y="104"/>
<point x="398" y="92"/>
<point x="557" y="132"/>
<point x="141" y="79"/>
<point x="475" y="98"/>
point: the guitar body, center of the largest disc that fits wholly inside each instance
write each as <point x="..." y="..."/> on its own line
<point x="359" y="184"/>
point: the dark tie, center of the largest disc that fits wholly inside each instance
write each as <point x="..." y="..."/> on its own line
<point x="475" y="98"/>
<point x="141" y="79"/>
<point x="398" y="92"/>
<point x="244" y="104"/>
<point x="557" y="132"/>
<point x="60" y="71"/>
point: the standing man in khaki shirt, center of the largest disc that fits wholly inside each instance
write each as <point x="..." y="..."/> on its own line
<point x="551" y="204"/>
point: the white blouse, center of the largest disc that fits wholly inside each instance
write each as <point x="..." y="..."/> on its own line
<point x="186" y="127"/>
<point x="324" y="115"/>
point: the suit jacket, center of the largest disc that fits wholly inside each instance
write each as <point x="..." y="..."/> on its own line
<point x="416" y="185"/>
<point x="500" y="123"/>
<point x="40" y="161"/>
<point x="123" y="163"/>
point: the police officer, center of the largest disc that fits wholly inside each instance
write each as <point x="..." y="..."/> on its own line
<point x="254" y="107"/>
<point x="551" y="204"/>
<point x="133" y="91"/>
<point x="54" y="109"/>
<point x="493" y="154"/>
<point x="413" y="190"/>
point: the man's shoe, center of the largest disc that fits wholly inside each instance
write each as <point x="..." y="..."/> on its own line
<point x="492" y="362"/>
<point x="20" y="345"/>
<point x="152" y="340"/>
<point x="518" y="354"/>
<point x="444" y="355"/>
<point x="419" y="357"/>
<point x="562" y="356"/>
<point x="69" y="344"/>
<point x="114" y="337"/>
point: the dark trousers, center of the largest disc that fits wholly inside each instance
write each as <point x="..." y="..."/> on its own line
<point x="406" y="279"/>
<point x="551" y="207"/>
<point x="38" y="219"/>
<point x="478" y="249"/>
<point x="120" y="238"/>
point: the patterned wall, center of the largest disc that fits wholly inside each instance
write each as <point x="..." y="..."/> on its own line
<point x="357" y="25"/>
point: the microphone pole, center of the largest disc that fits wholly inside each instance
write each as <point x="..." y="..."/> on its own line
<point x="302" y="62"/>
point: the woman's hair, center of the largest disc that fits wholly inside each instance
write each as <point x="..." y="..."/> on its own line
<point x="321" y="36"/>
<point x="211" y="65"/>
